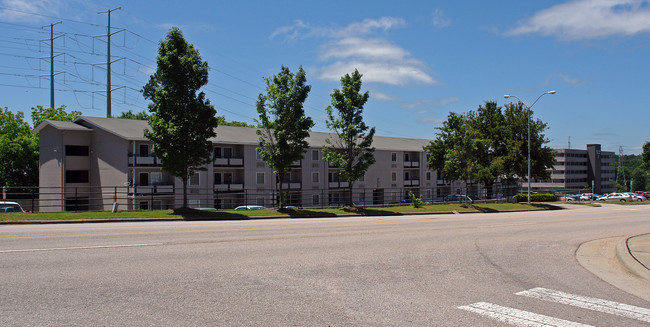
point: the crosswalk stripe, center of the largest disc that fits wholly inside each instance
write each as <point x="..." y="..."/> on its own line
<point x="610" y="307"/>
<point x="518" y="317"/>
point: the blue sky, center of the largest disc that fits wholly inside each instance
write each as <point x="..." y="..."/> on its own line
<point x="420" y="59"/>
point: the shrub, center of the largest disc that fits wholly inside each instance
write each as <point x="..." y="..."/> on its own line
<point x="523" y="197"/>
<point x="417" y="201"/>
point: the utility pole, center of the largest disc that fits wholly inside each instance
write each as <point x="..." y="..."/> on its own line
<point x="51" y="39"/>
<point x="108" y="60"/>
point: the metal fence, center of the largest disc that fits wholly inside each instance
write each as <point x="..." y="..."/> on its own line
<point x="90" y="198"/>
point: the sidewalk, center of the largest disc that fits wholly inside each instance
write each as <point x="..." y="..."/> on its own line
<point x="634" y="254"/>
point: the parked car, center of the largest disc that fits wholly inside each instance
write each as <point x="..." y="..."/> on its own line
<point x="644" y="193"/>
<point x="400" y="201"/>
<point x="458" y="198"/>
<point x="615" y="197"/>
<point x="588" y="196"/>
<point x="8" y="206"/>
<point x="250" y="207"/>
<point x="637" y="197"/>
<point x="568" y="198"/>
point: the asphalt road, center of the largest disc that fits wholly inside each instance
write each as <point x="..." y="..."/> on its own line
<point x="431" y="270"/>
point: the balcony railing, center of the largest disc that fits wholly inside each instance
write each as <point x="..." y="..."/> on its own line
<point x="144" y="161"/>
<point x="338" y="184"/>
<point x="296" y="164"/>
<point x="228" y="187"/>
<point x="411" y="164"/>
<point x="155" y="189"/>
<point x="411" y="182"/>
<point x="229" y="162"/>
<point x="291" y="186"/>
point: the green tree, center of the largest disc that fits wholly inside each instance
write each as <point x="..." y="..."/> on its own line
<point x="223" y="122"/>
<point x="142" y="115"/>
<point x="39" y="114"/>
<point x="284" y="126"/>
<point x="18" y="151"/>
<point x="542" y="157"/>
<point x="487" y="129"/>
<point x="352" y="149"/>
<point x="453" y="152"/>
<point x="638" y="180"/>
<point x="182" y="121"/>
<point x="645" y="156"/>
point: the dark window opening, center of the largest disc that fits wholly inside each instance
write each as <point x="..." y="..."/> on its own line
<point x="76" y="150"/>
<point x="76" y="176"/>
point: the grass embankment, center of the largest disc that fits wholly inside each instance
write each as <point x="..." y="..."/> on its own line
<point x="248" y="214"/>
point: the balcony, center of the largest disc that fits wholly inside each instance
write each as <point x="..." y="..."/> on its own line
<point x="144" y="161"/>
<point x="155" y="189"/>
<point x="296" y="164"/>
<point x="229" y="162"/>
<point x="228" y="187"/>
<point x="338" y="185"/>
<point x="411" y="182"/>
<point x="292" y="186"/>
<point x="411" y="164"/>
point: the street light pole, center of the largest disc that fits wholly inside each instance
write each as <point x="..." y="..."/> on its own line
<point x="528" y="114"/>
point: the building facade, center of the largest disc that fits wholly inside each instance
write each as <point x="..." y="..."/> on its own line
<point x="591" y="170"/>
<point x="92" y="163"/>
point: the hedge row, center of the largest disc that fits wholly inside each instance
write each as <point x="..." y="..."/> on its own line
<point x="521" y="197"/>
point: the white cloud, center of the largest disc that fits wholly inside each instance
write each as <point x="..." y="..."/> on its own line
<point x="430" y="120"/>
<point x="587" y="19"/>
<point x="439" y="19"/>
<point x="574" y="82"/>
<point x="376" y="95"/>
<point x="30" y="10"/>
<point x="356" y="46"/>
<point x="429" y="104"/>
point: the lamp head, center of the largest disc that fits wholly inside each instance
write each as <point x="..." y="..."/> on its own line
<point x="507" y="96"/>
<point x="551" y="92"/>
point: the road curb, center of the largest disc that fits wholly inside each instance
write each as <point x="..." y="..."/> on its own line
<point x="627" y="259"/>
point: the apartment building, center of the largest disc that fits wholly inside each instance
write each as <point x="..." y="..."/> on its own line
<point x="93" y="162"/>
<point x="577" y="169"/>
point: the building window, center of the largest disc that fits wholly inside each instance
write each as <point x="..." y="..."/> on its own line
<point x="221" y="152"/>
<point x="194" y="203"/>
<point x="393" y="156"/>
<point x="406" y="157"/>
<point x="259" y="178"/>
<point x="428" y="175"/>
<point x="76" y="176"/>
<point x="144" y="179"/>
<point x="195" y="179"/>
<point x="155" y="178"/>
<point x="258" y="154"/>
<point x="362" y="178"/>
<point x="315" y="199"/>
<point x="144" y="150"/>
<point x="143" y="205"/>
<point x="315" y="177"/>
<point x="259" y="201"/>
<point x="76" y="150"/>
<point x="314" y="155"/>
<point x="393" y="176"/>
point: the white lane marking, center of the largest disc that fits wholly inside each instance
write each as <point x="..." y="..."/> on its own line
<point x="595" y="304"/>
<point x="82" y="247"/>
<point x="518" y="317"/>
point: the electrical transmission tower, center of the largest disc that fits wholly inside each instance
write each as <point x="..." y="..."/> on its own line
<point x="620" y="171"/>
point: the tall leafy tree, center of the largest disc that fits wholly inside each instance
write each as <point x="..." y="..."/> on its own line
<point x="352" y="149"/>
<point x="542" y="157"/>
<point x="182" y="120"/>
<point x="283" y="124"/>
<point x="453" y="151"/>
<point x="645" y="156"/>
<point x="39" y="113"/>
<point x="142" y="115"/>
<point x="18" y="151"/>
<point x="487" y="129"/>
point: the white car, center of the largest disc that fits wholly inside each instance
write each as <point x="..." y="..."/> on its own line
<point x="8" y="206"/>
<point x="616" y="197"/>
<point x="636" y="196"/>
<point x="250" y="207"/>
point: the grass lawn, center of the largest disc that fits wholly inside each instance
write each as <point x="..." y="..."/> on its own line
<point x="248" y="214"/>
